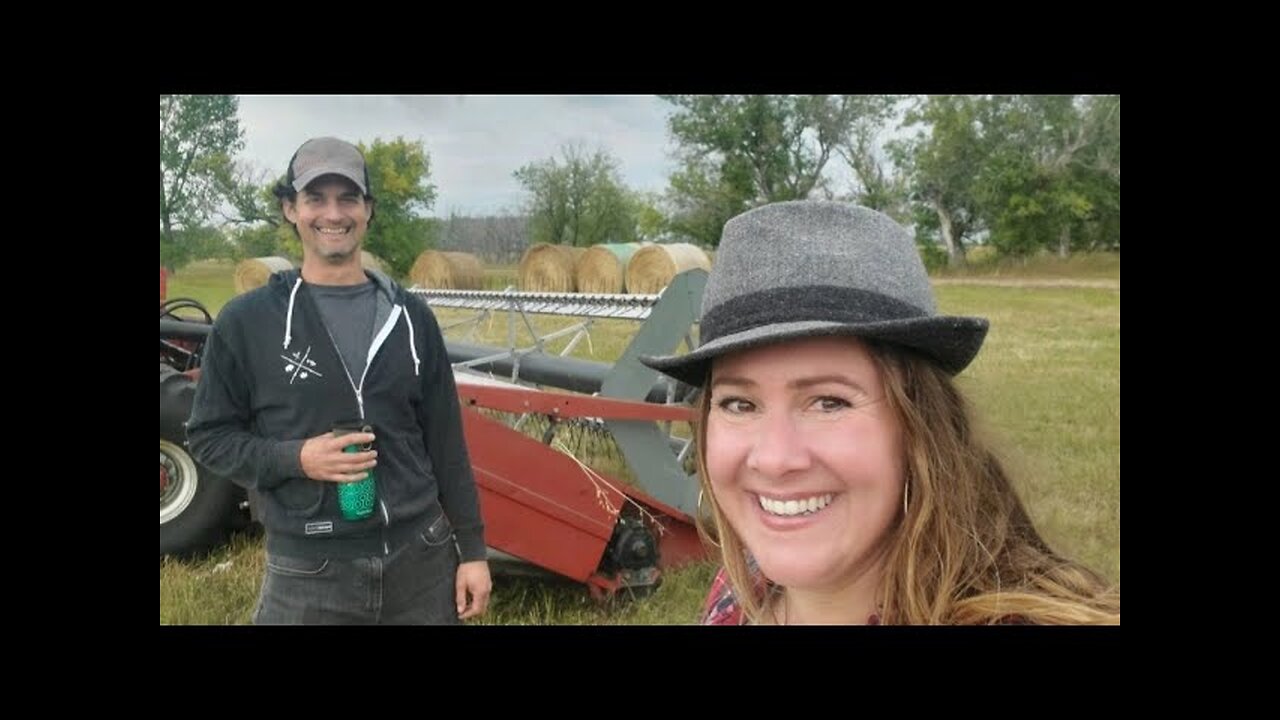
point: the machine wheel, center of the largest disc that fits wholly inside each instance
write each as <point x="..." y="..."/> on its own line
<point x="197" y="508"/>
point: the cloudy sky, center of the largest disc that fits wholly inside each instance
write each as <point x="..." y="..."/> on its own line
<point x="475" y="141"/>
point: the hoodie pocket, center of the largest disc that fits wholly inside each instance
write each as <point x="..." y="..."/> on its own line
<point x="300" y="497"/>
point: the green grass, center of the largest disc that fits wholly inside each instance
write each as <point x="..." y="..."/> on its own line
<point x="208" y="281"/>
<point x="537" y="601"/>
<point x="219" y="589"/>
<point x="1046" y="385"/>
<point x="500" y="277"/>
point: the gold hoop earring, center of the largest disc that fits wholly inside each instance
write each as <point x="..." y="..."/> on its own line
<point x="906" y="492"/>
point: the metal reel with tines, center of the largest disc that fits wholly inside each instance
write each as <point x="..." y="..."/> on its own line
<point x="639" y="449"/>
<point x="521" y="305"/>
<point x="594" y="305"/>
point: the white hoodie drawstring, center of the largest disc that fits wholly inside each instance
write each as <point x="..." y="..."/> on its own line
<point x="288" y="319"/>
<point x="288" y="327"/>
<point x="412" y="347"/>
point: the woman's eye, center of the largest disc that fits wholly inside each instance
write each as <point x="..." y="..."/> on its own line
<point x="831" y="404"/>
<point x="735" y="405"/>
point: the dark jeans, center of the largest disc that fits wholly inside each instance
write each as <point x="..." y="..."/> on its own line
<point x="414" y="585"/>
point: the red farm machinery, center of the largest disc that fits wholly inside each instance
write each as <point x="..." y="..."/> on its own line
<point x="584" y="468"/>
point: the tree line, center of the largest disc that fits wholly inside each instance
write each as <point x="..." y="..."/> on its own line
<point x="1023" y="174"/>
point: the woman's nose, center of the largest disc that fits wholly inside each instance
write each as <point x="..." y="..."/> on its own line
<point x="779" y="447"/>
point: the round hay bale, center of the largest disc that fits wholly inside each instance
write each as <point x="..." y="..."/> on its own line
<point x="447" y="271"/>
<point x="576" y="253"/>
<point x="253" y="273"/>
<point x="603" y="268"/>
<point x="548" y="268"/>
<point x="652" y="267"/>
<point x="369" y="261"/>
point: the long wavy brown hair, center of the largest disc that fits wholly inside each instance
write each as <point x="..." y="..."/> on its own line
<point x="964" y="552"/>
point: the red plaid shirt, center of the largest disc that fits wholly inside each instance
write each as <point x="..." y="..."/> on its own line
<point x="722" y="608"/>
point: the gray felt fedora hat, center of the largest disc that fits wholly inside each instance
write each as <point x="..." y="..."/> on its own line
<point x="808" y="268"/>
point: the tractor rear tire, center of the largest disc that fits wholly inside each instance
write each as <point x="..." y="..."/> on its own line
<point x="198" y="508"/>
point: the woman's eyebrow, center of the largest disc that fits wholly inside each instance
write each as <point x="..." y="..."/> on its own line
<point x="731" y="380"/>
<point x="799" y="383"/>
<point x="824" y="379"/>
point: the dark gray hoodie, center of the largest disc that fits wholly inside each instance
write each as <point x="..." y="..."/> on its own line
<point x="272" y="377"/>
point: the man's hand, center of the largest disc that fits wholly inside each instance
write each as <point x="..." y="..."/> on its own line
<point x="473" y="580"/>
<point x="323" y="459"/>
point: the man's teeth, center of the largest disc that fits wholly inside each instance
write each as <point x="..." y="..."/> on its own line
<point x="333" y="231"/>
<point x="803" y="506"/>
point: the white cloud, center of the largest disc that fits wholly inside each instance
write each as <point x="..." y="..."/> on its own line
<point x="475" y="141"/>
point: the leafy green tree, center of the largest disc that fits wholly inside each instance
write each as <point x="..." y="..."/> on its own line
<point x="1053" y="180"/>
<point x="578" y="199"/>
<point x="941" y="162"/>
<point x="202" y="242"/>
<point x="548" y="206"/>
<point x="703" y="199"/>
<point x="1096" y="168"/>
<point x="248" y="195"/>
<point x="740" y="151"/>
<point x="879" y="186"/>
<point x="1102" y="153"/>
<point x="199" y="134"/>
<point x="399" y="176"/>
<point x="264" y="239"/>
<point x="651" y="220"/>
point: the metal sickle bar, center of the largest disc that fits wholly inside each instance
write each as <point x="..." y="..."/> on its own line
<point x="483" y="392"/>
<point x="601" y="305"/>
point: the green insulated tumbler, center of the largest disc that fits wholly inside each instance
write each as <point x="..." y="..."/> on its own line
<point x="356" y="498"/>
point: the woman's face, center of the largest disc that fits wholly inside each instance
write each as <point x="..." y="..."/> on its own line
<point x="804" y="456"/>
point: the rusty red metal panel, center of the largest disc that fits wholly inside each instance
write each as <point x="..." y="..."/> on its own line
<point x="539" y="505"/>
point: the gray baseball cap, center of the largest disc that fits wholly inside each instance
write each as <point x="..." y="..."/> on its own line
<point x="809" y="268"/>
<point x="328" y="156"/>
